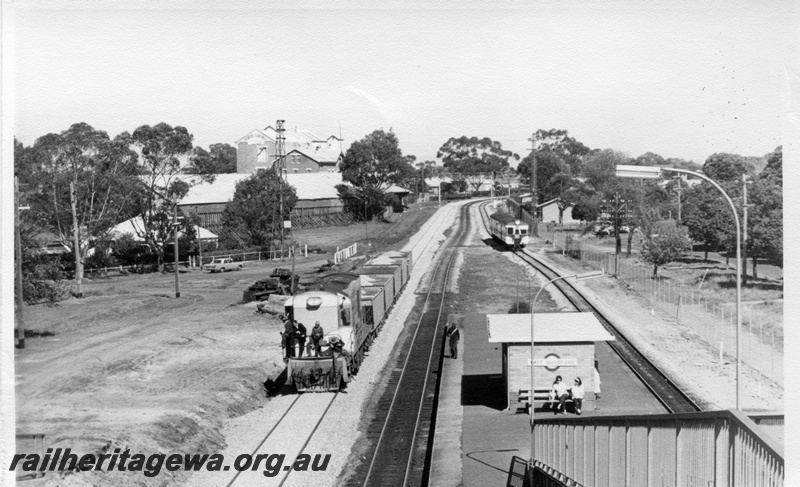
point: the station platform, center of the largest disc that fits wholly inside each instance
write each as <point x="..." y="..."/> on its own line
<point x="476" y="439"/>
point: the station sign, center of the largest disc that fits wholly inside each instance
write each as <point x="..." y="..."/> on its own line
<point x="552" y="362"/>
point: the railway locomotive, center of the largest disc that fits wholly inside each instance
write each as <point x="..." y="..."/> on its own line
<point x="509" y="230"/>
<point x="351" y="308"/>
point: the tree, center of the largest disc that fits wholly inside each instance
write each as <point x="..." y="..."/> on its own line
<point x="682" y="164"/>
<point x="588" y="203"/>
<point x="548" y="164"/>
<point x="664" y="242"/>
<point x="219" y="159"/>
<point x="774" y="168"/>
<point x="558" y="141"/>
<point x="707" y="216"/>
<point x="565" y="188"/>
<point x="85" y="184"/>
<point x="162" y="187"/>
<point x="475" y="159"/>
<point x="723" y="167"/>
<point x="253" y="216"/>
<point x="599" y="168"/>
<point x="362" y="203"/>
<point x="375" y="161"/>
<point x="649" y="159"/>
<point x="765" y="220"/>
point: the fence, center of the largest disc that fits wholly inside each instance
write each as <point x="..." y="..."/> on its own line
<point x="195" y="262"/>
<point x="686" y="449"/>
<point x="345" y="253"/>
<point x="714" y="320"/>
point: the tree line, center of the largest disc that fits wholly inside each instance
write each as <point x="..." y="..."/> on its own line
<point x="80" y="183"/>
<point x="583" y="179"/>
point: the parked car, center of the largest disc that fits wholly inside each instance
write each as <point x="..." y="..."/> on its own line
<point x="222" y="265"/>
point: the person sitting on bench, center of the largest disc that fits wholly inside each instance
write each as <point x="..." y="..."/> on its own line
<point x="559" y="393"/>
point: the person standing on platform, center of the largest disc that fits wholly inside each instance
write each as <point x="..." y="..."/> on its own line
<point x="560" y="393"/>
<point x="316" y="337"/>
<point x="577" y="394"/>
<point x="453" y="335"/>
<point x="596" y="380"/>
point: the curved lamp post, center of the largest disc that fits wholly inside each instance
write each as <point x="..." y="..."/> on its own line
<point x="645" y="172"/>
<point x="577" y="277"/>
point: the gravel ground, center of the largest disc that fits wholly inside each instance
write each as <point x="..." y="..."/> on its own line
<point x="338" y="433"/>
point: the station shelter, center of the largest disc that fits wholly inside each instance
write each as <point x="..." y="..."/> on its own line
<point x="564" y="344"/>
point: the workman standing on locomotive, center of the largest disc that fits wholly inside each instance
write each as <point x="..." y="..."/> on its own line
<point x="453" y="336"/>
<point x="287" y="337"/>
<point x="316" y="337"/>
<point x="300" y="335"/>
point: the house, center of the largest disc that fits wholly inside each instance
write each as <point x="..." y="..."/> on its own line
<point x="401" y="194"/>
<point x="548" y="212"/>
<point x="134" y="226"/>
<point x="305" y="152"/>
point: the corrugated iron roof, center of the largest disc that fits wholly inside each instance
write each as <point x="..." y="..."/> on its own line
<point x="135" y="224"/>
<point x="548" y="328"/>
<point x="309" y="186"/>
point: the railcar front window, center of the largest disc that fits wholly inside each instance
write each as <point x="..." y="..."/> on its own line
<point x="511" y="230"/>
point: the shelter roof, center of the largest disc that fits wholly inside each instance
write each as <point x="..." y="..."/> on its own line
<point x="548" y="328"/>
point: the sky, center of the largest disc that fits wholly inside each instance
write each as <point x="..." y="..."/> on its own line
<point x="681" y="79"/>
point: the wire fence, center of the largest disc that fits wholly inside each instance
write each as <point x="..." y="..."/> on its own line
<point x="714" y="320"/>
<point x="194" y="262"/>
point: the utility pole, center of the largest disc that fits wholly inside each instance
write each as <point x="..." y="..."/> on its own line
<point x="535" y="201"/>
<point x="745" y="182"/>
<point x="18" y="258"/>
<point x="281" y="163"/>
<point x="200" y="247"/>
<point x="77" y="247"/>
<point x="175" y="229"/>
<point x="616" y="207"/>
<point x="679" y="189"/>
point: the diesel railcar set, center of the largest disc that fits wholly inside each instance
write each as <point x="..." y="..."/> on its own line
<point x="351" y="308"/>
<point x="509" y="230"/>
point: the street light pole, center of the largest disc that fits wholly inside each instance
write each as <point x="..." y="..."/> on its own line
<point x="578" y="277"/>
<point x="645" y="172"/>
<point x="18" y="267"/>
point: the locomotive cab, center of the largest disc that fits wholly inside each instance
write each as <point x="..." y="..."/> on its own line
<point x="335" y="306"/>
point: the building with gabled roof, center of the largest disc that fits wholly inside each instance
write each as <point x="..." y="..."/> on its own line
<point x="316" y="196"/>
<point x="305" y="152"/>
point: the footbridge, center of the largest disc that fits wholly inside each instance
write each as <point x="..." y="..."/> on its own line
<point x="702" y="449"/>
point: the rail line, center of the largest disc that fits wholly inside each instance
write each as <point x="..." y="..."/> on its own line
<point x="308" y="411"/>
<point x="308" y="405"/>
<point x="663" y="389"/>
<point x="406" y="411"/>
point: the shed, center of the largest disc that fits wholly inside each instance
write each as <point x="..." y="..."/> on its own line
<point x="564" y="344"/>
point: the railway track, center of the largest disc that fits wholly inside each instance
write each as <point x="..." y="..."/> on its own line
<point x="301" y="418"/>
<point x="402" y="429"/>
<point x="663" y="389"/>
